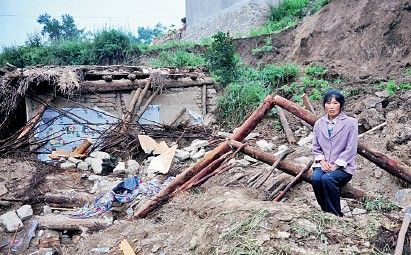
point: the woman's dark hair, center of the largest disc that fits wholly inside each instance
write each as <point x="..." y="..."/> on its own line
<point x="334" y="94"/>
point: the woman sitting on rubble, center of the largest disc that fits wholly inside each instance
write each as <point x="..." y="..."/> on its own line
<point x="334" y="148"/>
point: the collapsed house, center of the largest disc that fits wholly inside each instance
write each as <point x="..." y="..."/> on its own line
<point x="56" y="108"/>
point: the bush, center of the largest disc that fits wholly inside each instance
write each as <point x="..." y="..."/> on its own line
<point x="110" y="47"/>
<point x="239" y="100"/>
<point x="73" y="52"/>
<point x="22" y="56"/>
<point x="222" y="59"/>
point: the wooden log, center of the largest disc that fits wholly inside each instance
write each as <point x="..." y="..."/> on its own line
<point x="182" y="111"/>
<point x="388" y="163"/>
<point x="211" y="167"/>
<point x="204" y="99"/>
<point x="401" y="235"/>
<point x="248" y="126"/>
<point x="66" y="200"/>
<point x="131" y="108"/>
<point x="293" y="169"/>
<point x="287" y="129"/>
<point x="282" y="154"/>
<point x="61" y="222"/>
<point x="42" y="108"/>
<point x="142" y="95"/>
<point x="208" y="172"/>
<point x="149" y="100"/>
<point x="307" y="103"/>
<point x="294" y="181"/>
<point x="276" y="191"/>
<point x="118" y="103"/>
<point x="126" y="85"/>
<point x="83" y="146"/>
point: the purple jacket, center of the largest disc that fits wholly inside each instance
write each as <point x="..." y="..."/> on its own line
<point x="341" y="147"/>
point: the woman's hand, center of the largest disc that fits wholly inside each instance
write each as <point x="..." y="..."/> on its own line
<point x="327" y="167"/>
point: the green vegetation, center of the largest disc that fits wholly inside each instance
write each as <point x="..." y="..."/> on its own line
<point x="177" y="57"/>
<point x="316" y="70"/>
<point x="379" y="204"/>
<point x="266" y="48"/>
<point x="407" y="72"/>
<point x="222" y="59"/>
<point x="288" y="14"/>
<point x="239" y="100"/>
<point x="273" y="76"/>
<point x="391" y="86"/>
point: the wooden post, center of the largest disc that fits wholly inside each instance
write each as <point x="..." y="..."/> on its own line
<point x="294" y="181"/>
<point x="307" y="103"/>
<point x="42" y="108"/>
<point x="279" y="156"/>
<point x="149" y="100"/>
<point x="401" y="235"/>
<point x="287" y="129"/>
<point x="248" y="126"/>
<point x="204" y="99"/>
<point x="386" y="162"/>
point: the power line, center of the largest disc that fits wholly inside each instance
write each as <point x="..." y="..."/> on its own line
<point x="95" y="17"/>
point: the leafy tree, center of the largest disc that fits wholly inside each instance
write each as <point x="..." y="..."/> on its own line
<point x="56" y="30"/>
<point x="146" y="35"/>
<point x="222" y="59"/>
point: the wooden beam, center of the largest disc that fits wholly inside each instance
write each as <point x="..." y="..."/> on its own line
<point x="297" y="177"/>
<point x="124" y="84"/>
<point x="287" y="129"/>
<point x="41" y="109"/>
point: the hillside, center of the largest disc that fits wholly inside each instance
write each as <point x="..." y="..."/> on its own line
<point x="360" y="42"/>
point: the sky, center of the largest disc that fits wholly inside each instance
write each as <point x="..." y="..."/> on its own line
<point x="18" y="18"/>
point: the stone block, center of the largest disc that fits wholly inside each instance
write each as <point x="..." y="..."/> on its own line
<point x="11" y="221"/>
<point x="25" y="212"/>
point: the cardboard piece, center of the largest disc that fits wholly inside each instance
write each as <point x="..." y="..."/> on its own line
<point x="162" y="163"/>
<point x="126" y="248"/>
<point x="149" y="144"/>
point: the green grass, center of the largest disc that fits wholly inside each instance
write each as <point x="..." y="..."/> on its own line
<point x="273" y="75"/>
<point x="379" y="204"/>
<point x="238" y="101"/>
<point x="407" y="72"/>
<point x="316" y="70"/>
<point x="177" y="57"/>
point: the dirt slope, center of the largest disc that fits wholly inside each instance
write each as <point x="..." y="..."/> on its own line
<point x="356" y="37"/>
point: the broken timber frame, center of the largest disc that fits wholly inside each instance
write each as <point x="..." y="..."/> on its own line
<point x="249" y="125"/>
<point x="289" y="167"/>
<point x="386" y="162"/>
<point x="397" y="168"/>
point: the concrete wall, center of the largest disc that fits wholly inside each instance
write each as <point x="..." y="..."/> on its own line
<point x="170" y="102"/>
<point x="207" y="17"/>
